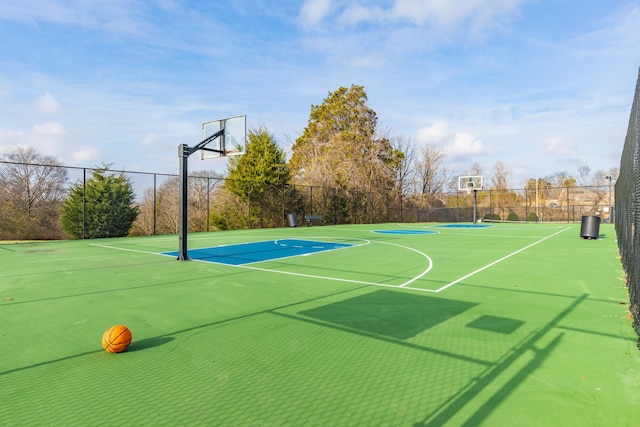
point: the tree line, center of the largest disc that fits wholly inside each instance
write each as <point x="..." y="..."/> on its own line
<point x="353" y="165"/>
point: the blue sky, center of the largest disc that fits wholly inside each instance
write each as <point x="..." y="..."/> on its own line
<point x="542" y="86"/>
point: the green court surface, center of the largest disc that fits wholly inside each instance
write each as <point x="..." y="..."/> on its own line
<point x="512" y="324"/>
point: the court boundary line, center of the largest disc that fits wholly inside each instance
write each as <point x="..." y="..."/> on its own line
<point x="500" y="260"/>
<point x="125" y="249"/>
<point x="338" y="279"/>
<point x="250" y="266"/>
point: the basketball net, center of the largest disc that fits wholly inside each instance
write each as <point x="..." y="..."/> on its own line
<point x="469" y="187"/>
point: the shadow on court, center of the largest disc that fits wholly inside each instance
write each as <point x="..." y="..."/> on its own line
<point x="399" y="315"/>
<point x="396" y="316"/>
<point x="149" y="343"/>
<point x="470" y="394"/>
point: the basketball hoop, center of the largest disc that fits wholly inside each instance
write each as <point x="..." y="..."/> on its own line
<point x="469" y="184"/>
<point x="469" y="187"/>
<point x="226" y="137"/>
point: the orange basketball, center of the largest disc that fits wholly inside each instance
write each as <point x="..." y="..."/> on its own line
<point x="116" y="339"/>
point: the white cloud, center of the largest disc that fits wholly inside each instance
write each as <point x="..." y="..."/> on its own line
<point x="47" y="104"/>
<point x="355" y="13"/>
<point x="48" y="130"/>
<point x="435" y="134"/>
<point x="399" y="29"/>
<point x="87" y="155"/>
<point x="49" y="138"/>
<point x="557" y="146"/>
<point x="11" y="138"/>
<point x="368" y="61"/>
<point x="456" y="144"/>
<point x="480" y="13"/>
<point x="149" y="138"/>
<point x="441" y="13"/>
<point x="474" y="14"/>
<point x="121" y="16"/>
<point x="314" y="11"/>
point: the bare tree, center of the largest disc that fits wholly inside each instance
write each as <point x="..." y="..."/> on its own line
<point x="432" y="177"/>
<point x="201" y="192"/>
<point x="583" y="173"/>
<point x="405" y="171"/>
<point x="32" y="187"/>
<point x="500" y="193"/>
<point x="500" y="176"/>
<point x="431" y="169"/>
<point x="144" y="224"/>
<point x="559" y="179"/>
<point x="475" y="169"/>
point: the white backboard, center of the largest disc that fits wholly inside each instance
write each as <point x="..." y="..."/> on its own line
<point x="468" y="183"/>
<point x="231" y="143"/>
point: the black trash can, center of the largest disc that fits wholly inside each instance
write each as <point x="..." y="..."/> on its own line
<point x="293" y="219"/>
<point x="590" y="228"/>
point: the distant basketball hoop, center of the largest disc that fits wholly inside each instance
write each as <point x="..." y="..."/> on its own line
<point x="469" y="187"/>
<point x="469" y="184"/>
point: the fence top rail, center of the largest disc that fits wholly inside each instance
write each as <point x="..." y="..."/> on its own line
<point x="222" y="177"/>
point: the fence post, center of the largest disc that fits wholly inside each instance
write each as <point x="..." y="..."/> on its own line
<point x="208" y="201"/>
<point x="284" y="186"/>
<point x="491" y="204"/>
<point x="155" y="209"/>
<point x="335" y="206"/>
<point x="249" y="205"/>
<point x="84" y="203"/>
<point x="568" y="201"/>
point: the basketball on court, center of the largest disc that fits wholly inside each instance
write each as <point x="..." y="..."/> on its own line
<point x="116" y="339"/>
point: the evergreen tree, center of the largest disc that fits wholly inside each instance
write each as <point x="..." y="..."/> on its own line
<point x="102" y="207"/>
<point x="261" y="177"/>
<point x="263" y="165"/>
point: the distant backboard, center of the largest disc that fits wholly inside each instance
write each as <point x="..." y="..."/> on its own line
<point x="468" y="183"/>
<point x="231" y="143"/>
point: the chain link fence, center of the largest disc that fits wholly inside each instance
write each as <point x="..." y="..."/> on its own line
<point x="627" y="209"/>
<point x="31" y="210"/>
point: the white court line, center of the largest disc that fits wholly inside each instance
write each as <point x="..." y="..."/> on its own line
<point x="311" y="276"/>
<point x="500" y="260"/>
<point x="338" y="279"/>
<point x="125" y="249"/>
<point x="430" y="265"/>
<point x="401" y="286"/>
<point x="362" y="282"/>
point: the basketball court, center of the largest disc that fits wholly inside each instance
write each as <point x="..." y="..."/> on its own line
<point x="473" y="324"/>
<point x="385" y="324"/>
